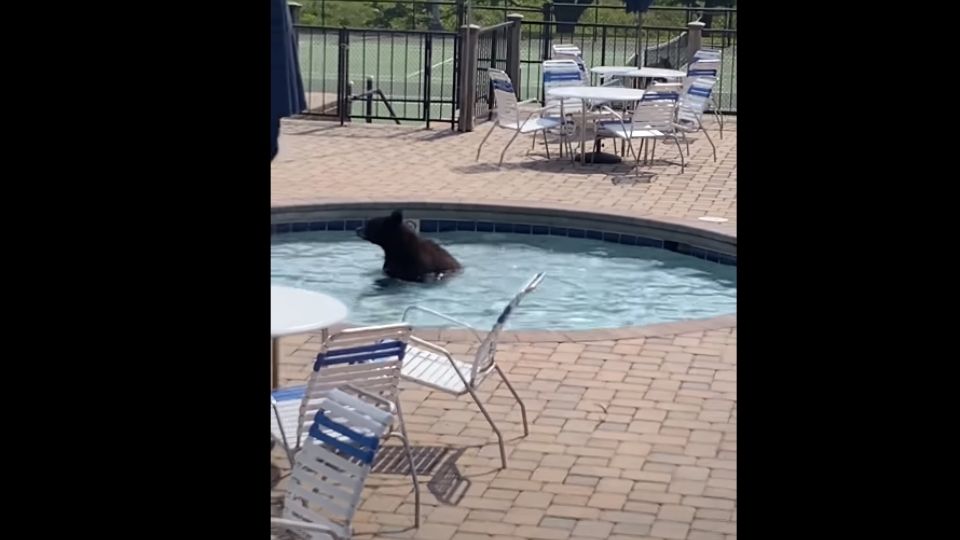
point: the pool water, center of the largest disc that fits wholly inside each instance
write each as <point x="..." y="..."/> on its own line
<point x="589" y="284"/>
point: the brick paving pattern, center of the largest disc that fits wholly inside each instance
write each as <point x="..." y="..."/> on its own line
<point x="319" y="161"/>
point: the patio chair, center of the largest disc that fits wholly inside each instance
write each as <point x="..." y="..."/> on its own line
<point x="690" y="110"/>
<point x="560" y="74"/>
<point x="328" y="475"/>
<point x="706" y="68"/>
<point x="368" y="358"/>
<point x="652" y="119"/>
<point x="707" y="54"/>
<point x="568" y="51"/>
<point x="434" y="367"/>
<point x="508" y="114"/>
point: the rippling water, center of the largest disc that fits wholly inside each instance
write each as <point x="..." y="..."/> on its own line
<point x="589" y="284"/>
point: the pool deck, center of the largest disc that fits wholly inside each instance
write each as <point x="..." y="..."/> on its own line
<point x="632" y="430"/>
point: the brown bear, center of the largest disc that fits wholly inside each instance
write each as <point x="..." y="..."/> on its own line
<point x="406" y="255"/>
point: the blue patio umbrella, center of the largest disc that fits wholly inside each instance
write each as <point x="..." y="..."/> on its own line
<point x="286" y="85"/>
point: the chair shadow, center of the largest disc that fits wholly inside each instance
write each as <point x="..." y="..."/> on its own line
<point x="446" y="482"/>
<point x="538" y="162"/>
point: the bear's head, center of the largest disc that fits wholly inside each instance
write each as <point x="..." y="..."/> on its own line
<point x="385" y="231"/>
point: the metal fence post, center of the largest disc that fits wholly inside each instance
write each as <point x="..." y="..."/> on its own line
<point x="547" y="18"/>
<point x="463" y="12"/>
<point x="343" y="74"/>
<point x="427" y="76"/>
<point x="695" y="38"/>
<point x="513" y="50"/>
<point x="468" y="75"/>
<point x="369" y="98"/>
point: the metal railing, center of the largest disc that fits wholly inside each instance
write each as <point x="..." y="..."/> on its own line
<point x="423" y="71"/>
<point x="415" y="71"/>
<point x="493" y="51"/>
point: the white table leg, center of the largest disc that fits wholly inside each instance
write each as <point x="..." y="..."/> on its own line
<point x="583" y="132"/>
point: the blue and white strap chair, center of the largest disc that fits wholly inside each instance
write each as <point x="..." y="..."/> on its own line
<point x="568" y="51"/>
<point x="367" y="358"/>
<point x="434" y="367"/>
<point x="653" y="118"/>
<point x="707" y="54"/>
<point x="691" y="107"/>
<point x="330" y="471"/>
<point x="708" y="68"/>
<point x="564" y="49"/>
<point x="561" y="74"/>
<point x="508" y="114"/>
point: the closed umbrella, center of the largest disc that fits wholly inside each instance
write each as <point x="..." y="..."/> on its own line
<point x="286" y="85"/>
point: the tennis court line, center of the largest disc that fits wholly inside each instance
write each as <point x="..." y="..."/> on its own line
<point x="433" y="67"/>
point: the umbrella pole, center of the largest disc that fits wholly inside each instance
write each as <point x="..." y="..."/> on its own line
<point x="639" y="58"/>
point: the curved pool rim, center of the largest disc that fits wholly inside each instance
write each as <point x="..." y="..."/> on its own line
<point x="678" y="234"/>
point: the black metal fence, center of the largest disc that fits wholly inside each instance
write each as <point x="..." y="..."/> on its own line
<point x="618" y="44"/>
<point x="413" y="57"/>
<point x="493" y="50"/>
<point x="414" y="71"/>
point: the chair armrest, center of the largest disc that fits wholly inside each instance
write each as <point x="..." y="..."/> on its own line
<point x="442" y="316"/>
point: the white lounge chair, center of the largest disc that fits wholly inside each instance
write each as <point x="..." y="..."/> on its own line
<point x="368" y="358"/>
<point x="330" y="471"/>
<point x="707" y="67"/>
<point x="508" y="116"/>
<point x="652" y="119"/>
<point x="691" y="107"/>
<point x="434" y="367"/>
<point x="707" y="54"/>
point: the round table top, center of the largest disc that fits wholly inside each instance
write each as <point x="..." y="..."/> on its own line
<point x="652" y="72"/>
<point x="608" y="93"/>
<point x="611" y="70"/>
<point x="295" y="311"/>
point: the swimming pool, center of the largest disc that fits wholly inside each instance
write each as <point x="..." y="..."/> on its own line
<point x="589" y="284"/>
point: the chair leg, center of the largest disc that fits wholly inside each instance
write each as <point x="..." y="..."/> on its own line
<point x="545" y="143"/>
<point x="632" y="151"/>
<point x="653" y="153"/>
<point x="709" y="140"/>
<point x="643" y="144"/>
<point x="716" y="112"/>
<point x="503" y="452"/>
<point x="683" y="165"/>
<point x="485" y="137"/>
<point x="686" y="141"/>
<point x="413" y="467"/>
<point x="523" y="408"/>
<point x="283" y="435"/>
<point x="504" y="152"/>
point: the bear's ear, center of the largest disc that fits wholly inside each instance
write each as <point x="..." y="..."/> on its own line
<point x="396" y="216"/>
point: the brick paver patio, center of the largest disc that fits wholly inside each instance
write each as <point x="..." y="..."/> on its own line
<point x="324" y="162"/>
<point x="632" y="432"/>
